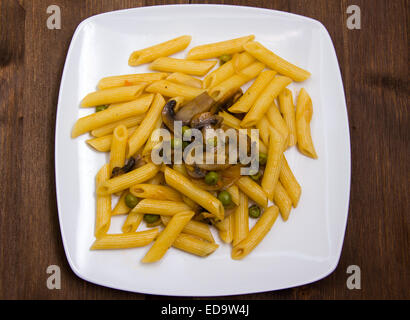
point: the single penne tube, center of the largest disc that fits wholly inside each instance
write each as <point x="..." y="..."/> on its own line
<point x="282" y="200"/>
<point x="151" y="142"/>
<point x="195" y="228"/>
<point x="273" y="166"/>
<point x="128" y="179"/>
<point x="249" y="97"/>
<point x="290" y="183"/>
<point x="289" y="116"/>
<point x="130" y="79"/>
<point x="113" y="95"/>
<point x="236" y="81"/>
<point x="121" y="207"/>
<point x="109" y="128"/>
<point x="263" y="126"/>
<point x="125" y="240"/>
<point x="256" y="234"/>
<point x="304" y="113"/>
<point x="139" y="108"/>
<point x="132" y="222"/>
<point x="103" y="144"/>
<point x="167" y="237"/>
<point x="191" y="203"/>
<point x="161" y="207"/>
<point x="192" y="67"/>
<point x="275" y="62"/>
<point x="265" y="100"/>
<point x="103" y="205"/>
<point x="171" y="89"/>
<point x="118" y="147"/>
<point x="180" y="168"/>
<point x="144" y="130"/>
<point x="185" y="79"/>
<point x="191" y="244"/>
<point x="158" y="192"/>
<point x="179" y="182"/>
<point x="234" y="192"/>
<point x="227" y="231"/>
<point x="214" y="50"/>
<point x="275" y="119"/>
<point x="163" y="49"/>
<point x="241" y="219"/>
<point x="109" y="115"/>
<point x="227" y="70"/>
<point x="252" y="190"/>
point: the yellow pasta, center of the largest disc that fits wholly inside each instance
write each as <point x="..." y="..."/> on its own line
<point x="121" y="207"/>
<point x="127" y="180"/>
<point x="192" y="67"/>
<point x="162" y="207"/>
<point x="163" y="49"/>
<point x="194" y="228"/>
<point x="101" y="118"/>
<point x="277" y="122"/>
<point x="125" y="240"/>
<point x="194" y="245"/>
<point x="158" y="179"/>
<point x="304" y="113"/>
<point x="109" y="128"/>
<point x="118" y="146"/>
<point x="274" y="163"/>
<point x="288" y="111"/>
<point x="234" y="192"/>
<point x="213" y="50"/>
<point x="132" y="222"/>
<point x="103" y="144"/>
<point x="155" y="192"/>
<point x="129" y="79"/>
<point x="275" y="62"/>
<point x="227" y="70"/>
<point x="227" y="231"/>
<point x="185" y="79"/>
<point x="151" y="142"/>
<point x="249" y="97"/>
<point x="290" y="183"/>
<point x="236" y="81"/>
<point x="103" y="216"/>
<point x="241" y="219"/>
<point x="282" y="200"/>
<point x="252" y="190"/>
<point x="186" y="187"/>
<point x="256" y="234"/>
<point x="265" y="99"/>
<point x="141" y="134"/>
<point x="168" y="236"/>
<point x="171" y="89"/>
<point x="263" y="126"/>
<point x="113" y="95"/>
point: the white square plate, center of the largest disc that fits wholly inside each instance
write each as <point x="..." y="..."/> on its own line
<point x="304" y="249"/>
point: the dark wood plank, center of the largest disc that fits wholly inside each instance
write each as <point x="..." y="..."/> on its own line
<point x="374" y="65"/>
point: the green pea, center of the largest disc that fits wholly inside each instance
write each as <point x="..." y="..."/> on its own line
<point x="224" y="58"/>
<point x="225" y="198"/>
<point x="256" y="176"/>
<point x="263" y="157"/>
<point x="187" y="130"/>
<point x="131" y="201"/>
<point x="101" y="108"/>
<point x="254" y="211"/>
<point x="176" y="143"/>
<point x="211" y="178"/>
<point x="151" y="218"/>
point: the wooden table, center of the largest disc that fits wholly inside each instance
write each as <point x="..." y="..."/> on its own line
<point x="374" y="65"/>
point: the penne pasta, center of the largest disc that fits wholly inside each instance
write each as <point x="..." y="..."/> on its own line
<point x="290" y="183"/>
<point x="288" y="112"/>
<point x="249" y="97"/>
<point x="103" y="216"/>
<point x="168" y="236"/>
<point x="227" y="230"/>
<point x="127" y="180"/>
<point x="241" y="220"/>
<point x="103" y="144"/>
<point x="252" y="190"/>
<point x="151" y="142"/>
<point x="186" y="187"/>
<point x="185" y="79"/>
<point x="171" y="89"/>
<point x="304" y="113"/>
<point x="129" y="80"/>
<point x="275" y="62"/>
<point x="163" y="49"/>
<point x="214" y="50"/>
<point x="142" y="133"/>
<point x="121" y="207"/>
<point x="282" y="200"/>
<point x="263" y="126"/>
<point x="192" y="67"/>
<point x="256" y="234"/>
<point x="118" y="147"/>
<point x="158" y="179"/>
<point x="274" y="163"/>
<point x="113" y="95"/>
<point x="194" y="228"/>
<point x="265" y="100"/>
<point x="155" y="192"/>
<point x="161" y="207"/>
<point x="101" y="118"/>
<point x="190" y="244"/>
<point x="275" y="119"/>
<point x="234" y="192"/>
<point x="132" y="222"/>
<point x="125" y="240"/>
<point x="109" y="128"/>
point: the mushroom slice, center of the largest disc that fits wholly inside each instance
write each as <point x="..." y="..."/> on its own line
<point x="201" y="103"/>
<point x="195" y="172"/>
<point x="206" y="119"/>
<point x="227" y="100"/>
<point x="168" y="114"/>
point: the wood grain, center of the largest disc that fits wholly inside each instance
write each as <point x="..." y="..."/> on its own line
<point x="374" y="65"/>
